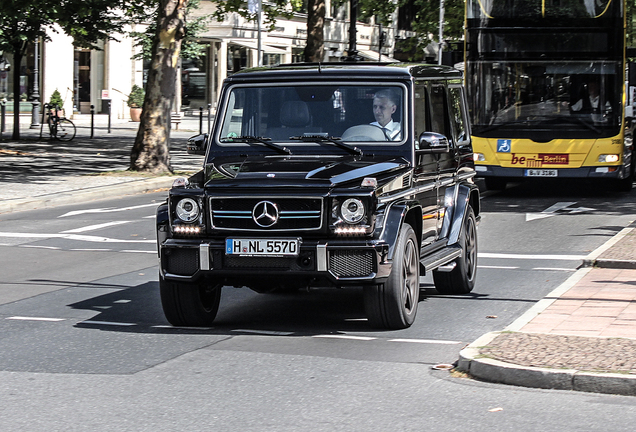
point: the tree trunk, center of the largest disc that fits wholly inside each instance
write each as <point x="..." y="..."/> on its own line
<point x="314" y="51"/>
<point x="151" y="151"/>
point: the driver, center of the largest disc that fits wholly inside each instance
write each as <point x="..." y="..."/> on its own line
<point x="384" y="105"/>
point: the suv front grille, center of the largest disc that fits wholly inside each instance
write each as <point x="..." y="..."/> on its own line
<point x="292" y="213"/>
<point x="351" y="263"/>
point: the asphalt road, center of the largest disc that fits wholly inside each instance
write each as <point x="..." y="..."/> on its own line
<point x="84" y="344"/>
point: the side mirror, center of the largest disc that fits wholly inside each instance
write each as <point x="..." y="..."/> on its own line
<point x="432" y="142"/>
<point x="197" y="144"/>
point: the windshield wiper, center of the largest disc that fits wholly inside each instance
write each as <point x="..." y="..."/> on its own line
<point x="324" y="137"/>
<point x="254" y="139"/>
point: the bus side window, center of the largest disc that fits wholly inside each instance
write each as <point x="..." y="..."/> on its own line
<point x="439" y="111"/>
<point x="420" y="114"/>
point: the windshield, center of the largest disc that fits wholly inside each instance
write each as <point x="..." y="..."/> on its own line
<point x="539" y="100"/>
<point x="301" y="115"/>
<point x="539" y="8"/>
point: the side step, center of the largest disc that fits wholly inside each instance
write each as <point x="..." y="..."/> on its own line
<point x="441" y="260"/>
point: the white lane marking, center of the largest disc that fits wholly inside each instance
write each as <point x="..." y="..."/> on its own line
<point x="108" y="323"/>
<point x="264" y="332"/>
<point x="561" y="207"/>
<point x="41" y="247"/>
<point x="555" y="269"/>
<point x="426" y="341"/>
<point x="139" y="251"/>
<point x="498" y="267"/>
<point x="91" y="250"/>
<point x="94" y="227"/>
<point x="23" y="318"/>
<point x="181" y="327"/>
<point x="360" y="338"/>
<point x="77" y="237"/>
<point x="531" y="256"/>
<point x="107" y="210"/>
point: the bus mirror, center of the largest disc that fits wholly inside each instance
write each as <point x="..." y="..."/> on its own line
<point x="629" y="112"/>
<point x="431" y="142"/>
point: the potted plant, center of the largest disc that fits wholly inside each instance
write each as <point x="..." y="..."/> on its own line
<point x="135" y="102"/>
<point x="56" y="101"/>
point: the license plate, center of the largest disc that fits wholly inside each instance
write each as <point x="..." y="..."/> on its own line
<point x="261" y="247"/>
<point x="541" y="173"/>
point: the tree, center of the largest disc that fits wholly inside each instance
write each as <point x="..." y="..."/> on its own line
<point x="152" y="144"/>
<point x="25" y="21"/>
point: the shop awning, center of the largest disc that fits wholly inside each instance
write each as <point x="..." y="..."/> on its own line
<point x="373" y="55"/>
<point x="251" y="44"/>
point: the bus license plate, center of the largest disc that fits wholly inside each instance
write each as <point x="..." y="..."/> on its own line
<point x="261" y="247"/>
<point x="541" y="173"/>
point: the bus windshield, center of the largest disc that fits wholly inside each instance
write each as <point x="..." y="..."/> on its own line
<point x="571" y="99"/>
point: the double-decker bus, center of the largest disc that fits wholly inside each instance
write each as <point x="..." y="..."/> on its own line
<point x="547" y="90"/>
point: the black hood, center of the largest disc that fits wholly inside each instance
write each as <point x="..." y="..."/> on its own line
<point x="304" y="171"/>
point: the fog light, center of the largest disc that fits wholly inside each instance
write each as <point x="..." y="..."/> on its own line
<point x="351" y="230"/>
<point x="187" y="229"/>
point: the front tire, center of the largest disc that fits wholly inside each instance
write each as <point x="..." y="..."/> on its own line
<point x="65" y="130"/>
<point x="189" y="305"/>
<point x="461" y="280"/>
<point x="393" y="305"/>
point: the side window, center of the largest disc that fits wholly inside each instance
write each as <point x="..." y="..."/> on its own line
<point x="439" y="111"/>
<point x="420" y="114"/>
<point x="458" y="115"/>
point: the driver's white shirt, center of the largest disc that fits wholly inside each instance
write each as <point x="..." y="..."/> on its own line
<point x="392" y="130"/>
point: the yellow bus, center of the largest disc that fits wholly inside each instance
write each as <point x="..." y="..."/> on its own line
<point x="546" y="82"/>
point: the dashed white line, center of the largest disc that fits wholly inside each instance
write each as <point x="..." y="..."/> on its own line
<point x="94" y="227"/>
<point x="264" y="332"/>
<point x="24" y="318"/>
<point x="426" y="341"/>
<point x="108" y="323"/>
<point x="555" y="269"/>
<point x="360" y="338"/>
<point x="139" y="251"/>
<point x="497" y="267"/>
<point x="531" y="256"/>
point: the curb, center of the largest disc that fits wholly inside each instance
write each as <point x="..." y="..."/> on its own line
<point x="496" y="371"/>
<point x="91" y="193"/>
<point x="487" y="369"/>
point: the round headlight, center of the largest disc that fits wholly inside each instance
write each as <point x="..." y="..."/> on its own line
<point x="187" y="210"/>
<point x="352" y="210"/>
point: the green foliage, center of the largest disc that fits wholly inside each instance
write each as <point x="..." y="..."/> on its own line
<point x="136" y="97"/>
<point x="56" y="99"/>
<point x="271" y="10"/>
<point x="190" y="47"/>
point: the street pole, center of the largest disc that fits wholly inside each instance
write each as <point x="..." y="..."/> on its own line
<point x="441" y="32"/>
<point x="260" y="46"/>
<point x="35" y="112"/>
<point x="352" y="52"/>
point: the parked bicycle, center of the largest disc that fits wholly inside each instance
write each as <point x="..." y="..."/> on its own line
<point x="60" y="128"/>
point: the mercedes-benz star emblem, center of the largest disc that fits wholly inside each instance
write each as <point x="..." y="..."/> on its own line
<point x="265" y="214"/>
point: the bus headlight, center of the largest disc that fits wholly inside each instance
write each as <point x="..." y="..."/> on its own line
<point x="478" y="157"/>
<point x="187" y="210"/>
<point x="609" y="158"/>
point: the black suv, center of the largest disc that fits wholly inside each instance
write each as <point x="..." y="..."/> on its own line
<point x="326" y="175"/>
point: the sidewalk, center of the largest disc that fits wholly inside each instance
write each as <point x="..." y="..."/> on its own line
<point x="39" y="173"/>
<point x="582" y="336"/>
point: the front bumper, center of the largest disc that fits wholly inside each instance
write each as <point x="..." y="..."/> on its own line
<point x="319" y="263"/>
<point x="609" y="172"/>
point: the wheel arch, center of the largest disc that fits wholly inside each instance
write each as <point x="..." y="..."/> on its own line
<point x="398" y="214"/>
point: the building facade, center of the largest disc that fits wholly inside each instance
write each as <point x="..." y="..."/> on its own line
<point x="99" y="77"/>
